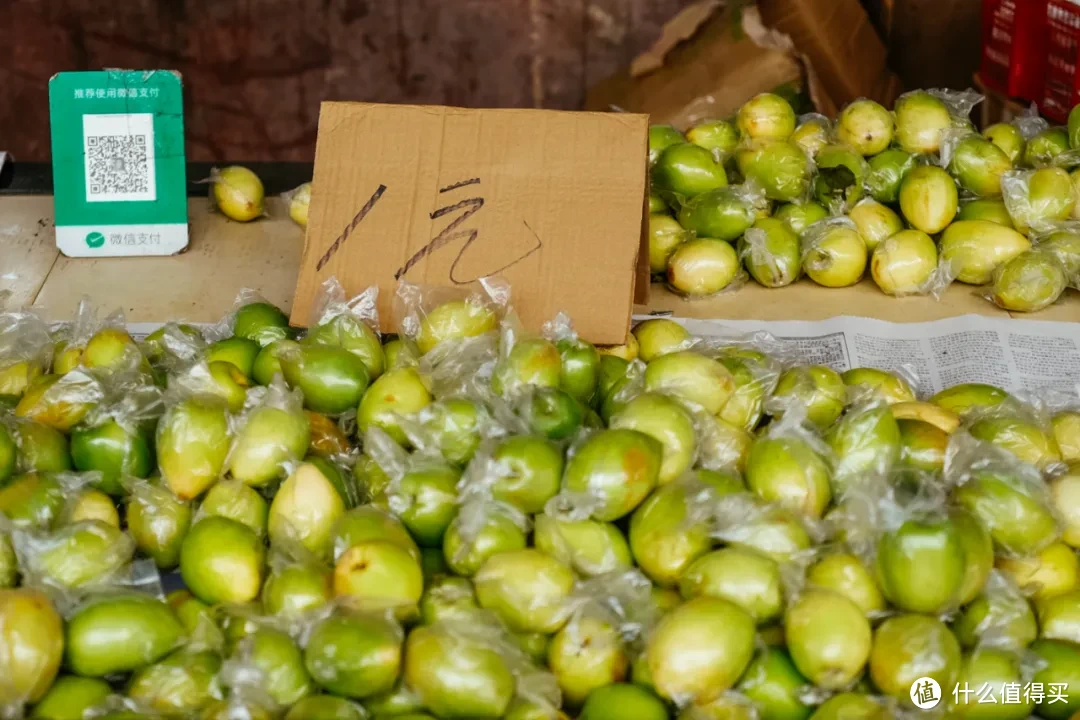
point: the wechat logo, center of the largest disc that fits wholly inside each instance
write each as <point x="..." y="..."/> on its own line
<point x="95" y="239"/>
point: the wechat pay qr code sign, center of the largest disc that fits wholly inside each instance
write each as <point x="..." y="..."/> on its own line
<point x="119" y="177"/>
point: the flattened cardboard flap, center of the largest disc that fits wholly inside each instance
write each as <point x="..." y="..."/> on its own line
<point x="552" y="201"/>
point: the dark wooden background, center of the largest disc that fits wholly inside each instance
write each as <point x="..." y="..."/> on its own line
<point x="256" y="70"/>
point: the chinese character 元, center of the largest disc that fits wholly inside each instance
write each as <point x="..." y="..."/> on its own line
<point x="154" y="92"/>
<point x="100" y="93"/>
<point x="111" y="93"/>
<point x="966" y="692"/>
<point x="1010" y="693"/>
<point x="78" y="93"/>
<point x="1056" y="692"/>
<point x="143" y="93"/>
<point x="926" y="693"/>
<point x="1033" y="693"/>
<point x="986" y="694"/>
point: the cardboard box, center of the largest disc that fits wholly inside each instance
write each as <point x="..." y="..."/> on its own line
<point x="840" y="46"/>
<point x="713" y="57"/>
<point x="552" y="201"/>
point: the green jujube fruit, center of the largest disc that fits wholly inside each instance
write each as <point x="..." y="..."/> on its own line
<point x="113" y="451"/>
<point x="31" y="646"/>
<point x="32" y="500"/>
<point x="183" y="682"/>
<point x="80" y="553"/>
<point x="526" y="588"/>
<point x="306" y="509"/>
<point x="535" y="468"/>
<point x="1062" y="666"/>
<point x="579" y="374"/>
<point x="774" y="684"/>
<point x="618" y="467"/>
<point x="221" y="561"/>
<point x="456" y="678"/>
<point x="1007" y="137"/>
<point x="354" y="655"/>
<point x="275" y="654"/>
<point x="1040" y="197"/>
<point x="772" y="253"/>
<point x="332" y="379"/>
<point x="70" y="697"/>
<point x="800" y="215"/>
<point x="662" y="137"/>
<point x="866" y="126"/>
<point x="237" y="351"/>
<point x="234" y="500"/>
<point x="8" y="455"/>
<point x="589" y="546"/>
<point x="829" y="638"/>
<point x="666" y="421"/>
<point x="685" y="170"/>
<point x="928" y="198"/>
<point x="990" y="209"/>
<point x="887" y="171"/>
<point x="851" y="706"/>
<point x="1016" y="520"/>
<point x="271" y="437"/>
<point x="45" y="449"/>
<point x="665" y="234"/>
<point x="907" y="647"/>
<point x="296" y="589"/>
<point x="787" y="470"/>
<point x="329" y="707"/>
<point x="977" y="164"/>
<point x="920" y="566"/>
<point x="975" y="248"/>
<point x="718" y="136"/>
<point x="354" y="335"/>
<point x="397" y="391"/>
<point x="532" y="362"/>
<point x="1046" y="145"/>
<point x="454" y="320"/>
<point x="466" y="551"/>
<point x="702" y="267"/>
<point x="693" y="376"/>
<point x="262" y="322"/>
<point x="780" y="167"/>
<point x="621" y="701"/>
<point x="429" y="498"/>
<point x="875" y="222"/>
<point x="192" y="444"/>
<point x="119" y="634"/>
<point x="841" y="171"/>
<point x="158" y="521"/>
<point x="812" y="134"/>
<point x="920" y="119"/>
<point x="766" y="115"/>
<point x="268" y="362"/>
<point x="1029" y="282"/>
<point x="744" y="577"/>
<point x="864" y="441"/>
<point x="723" y="214"/>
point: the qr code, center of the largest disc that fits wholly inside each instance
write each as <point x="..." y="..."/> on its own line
<point x="119" y="153"/>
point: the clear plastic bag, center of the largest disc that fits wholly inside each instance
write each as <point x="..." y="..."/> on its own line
<point x="73" y="559"/>
<point x="157" y="520"/>
<point x="1005" y="494"/>
<point x="999" y="617"/>
<point x="1036" y="199"/>
<point x="61" y="402"/>
<point x="865" y="440"/>
<point x="270" y="438"/>
<point x="1063" y="240"/>
<point x="1033" y="280"/>
<point x="812" y="132"/>
<point x="789" y="464"/>
<point x="833" y="252"/>
<point x="959" y="102"/>
<point x="25" y="350"/>
<point x="349" y="323"/>
<point x="773" y="258"/>
<point x="429" y="316"/>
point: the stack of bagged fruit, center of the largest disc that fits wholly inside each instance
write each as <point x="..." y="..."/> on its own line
<point x="916" y="194"/>
<point x="470" y="521"/>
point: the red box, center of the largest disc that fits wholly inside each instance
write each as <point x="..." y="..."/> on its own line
<point x="1014" y="47"/>
<point x="1062" y="48"/>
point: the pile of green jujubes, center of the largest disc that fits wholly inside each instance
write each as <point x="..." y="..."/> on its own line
<point x="916" y="193"/>
<point x="470" y="521"/>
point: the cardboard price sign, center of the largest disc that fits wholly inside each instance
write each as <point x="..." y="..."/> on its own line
<point x="551" y="201"/>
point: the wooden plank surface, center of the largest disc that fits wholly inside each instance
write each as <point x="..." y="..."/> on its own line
<point x="225" y="257"/>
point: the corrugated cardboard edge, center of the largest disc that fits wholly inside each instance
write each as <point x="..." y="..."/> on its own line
<point x="681" y="27"/>
<point x="765" y="37"/>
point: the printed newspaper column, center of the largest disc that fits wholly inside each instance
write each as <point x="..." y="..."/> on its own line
<point x="119" y="178"/>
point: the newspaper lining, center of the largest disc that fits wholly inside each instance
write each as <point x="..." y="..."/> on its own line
<point x="1012" y="354"/>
